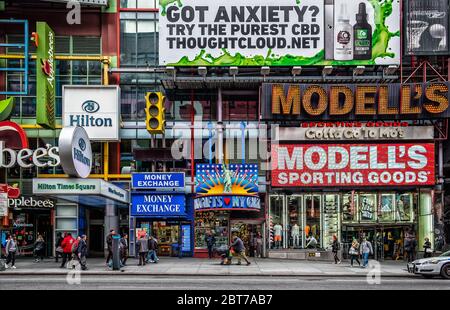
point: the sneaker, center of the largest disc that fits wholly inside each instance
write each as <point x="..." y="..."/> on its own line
<point x="239" y="263"/>
<point x="6" y="266"/>
<point x="339" y="262"/>
<point x="14" y="267"/>
<point x="248" y="263"/>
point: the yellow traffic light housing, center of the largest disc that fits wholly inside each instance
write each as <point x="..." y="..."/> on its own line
<point x="155" y="112"/>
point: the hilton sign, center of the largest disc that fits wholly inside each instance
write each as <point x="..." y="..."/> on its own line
<point x="349" y="102"/>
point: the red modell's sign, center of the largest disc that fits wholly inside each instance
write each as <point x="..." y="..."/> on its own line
<point x="312" y="165"/>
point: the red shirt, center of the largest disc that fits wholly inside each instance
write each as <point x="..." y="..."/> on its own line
<point x="67" y="244"/>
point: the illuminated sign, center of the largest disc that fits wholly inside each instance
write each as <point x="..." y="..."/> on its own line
<point x="314" y="165"/>
<point x="355" y="101"/>
<point x="226" y="187"/>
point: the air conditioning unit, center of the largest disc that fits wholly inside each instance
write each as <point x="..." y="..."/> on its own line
<point x="82" y="2"/>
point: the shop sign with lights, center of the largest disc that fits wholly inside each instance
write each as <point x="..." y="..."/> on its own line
<point x="355" y="101"/>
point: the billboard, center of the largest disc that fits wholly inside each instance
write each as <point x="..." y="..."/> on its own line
<point x="314" y="165"/>
<point x="45" y="76"/>
<point x="285" y="33"/>
<point x="300" y="102"/>
<point x="95" y="108"/>
<point x="426" y="27"/>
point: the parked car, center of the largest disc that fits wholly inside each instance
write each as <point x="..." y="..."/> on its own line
<point x="432" y="266"/>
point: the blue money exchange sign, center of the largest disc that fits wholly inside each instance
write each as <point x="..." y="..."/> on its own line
<point x="145" y="204"/>
<point x="147" y="180"/>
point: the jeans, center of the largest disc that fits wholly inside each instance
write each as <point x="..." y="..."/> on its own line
<point x="11" y="258"/>
<point x="210" y="252"/>
<point x="82" y="260"/>
<point x="354" y="257"/>
<point x="142" y="258"/>
<point x="151" y="256"/>
<point x="365" y="259"/>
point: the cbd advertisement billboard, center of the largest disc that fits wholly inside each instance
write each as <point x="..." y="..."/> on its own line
<point x="281" y="33"/>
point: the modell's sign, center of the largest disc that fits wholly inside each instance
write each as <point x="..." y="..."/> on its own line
<point x="312" y="165"/>
<point x="349" y="102"/>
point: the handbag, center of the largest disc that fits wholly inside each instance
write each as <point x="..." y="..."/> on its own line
<point x="59" y="250"/>
<point x="428" y="250"/>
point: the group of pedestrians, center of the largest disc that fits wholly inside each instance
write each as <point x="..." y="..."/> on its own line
<point x="72" y="250"/>
<point x="123" y="248"/>
<point x="357" y="250"/>
<point x="147" y="247"/>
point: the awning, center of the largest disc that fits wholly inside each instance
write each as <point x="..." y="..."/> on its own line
<point x="90" y="192"/>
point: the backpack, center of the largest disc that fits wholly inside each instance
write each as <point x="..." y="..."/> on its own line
<point x="75" y="247"/>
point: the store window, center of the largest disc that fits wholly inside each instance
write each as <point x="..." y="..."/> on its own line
<point x="349" y="204"/>
<point x="295" y="221"/>
<point x="387" y="208"/>
<point x="138" y="4"/>
<point x="313" y="219"/>
<point x="404" y="209"/>
<point x="331" y="225"/>
<point x="276" y="222"/>
<point x="215" y="222"/>
<point x="368" y="207"/>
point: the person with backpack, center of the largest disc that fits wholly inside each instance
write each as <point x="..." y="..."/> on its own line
<point x="366" y="250"/>
<point x="335" y="247"/>
<point x="66" y="245"/>
<point x="11" y="249"/>
<point x="39" y="249"/>
<point x="82" y="252"/>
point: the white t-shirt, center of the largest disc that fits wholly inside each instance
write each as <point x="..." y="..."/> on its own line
<point x="278" y="229"/>
<point x="295" y="230"/>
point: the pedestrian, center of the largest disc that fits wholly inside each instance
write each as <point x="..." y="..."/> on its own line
<point x="366" y="250"/>
<point x="152" y="248"/>
<point x="109" y="240"/>
<point x="66" y="245"/>
<point x="58" y="248"/>
<point x="39" y="249"/>
<point x="142" y="249"/>
<point x="311" y="242"/>
<point x="239" y="249"/>
<point x="82" y="252"/>
<point x="410" y="245"/>
<point x="259" y="244"/>
<point x="427" y="250"/>
<point x="124" y="249"/>
<point x="11" y="249"/>
<point x="210" y="242"/>
<point x="354" y="252"/>
<point x="335" y="247"/>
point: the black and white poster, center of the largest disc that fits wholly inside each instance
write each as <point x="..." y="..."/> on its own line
<point x="426" y="25"/>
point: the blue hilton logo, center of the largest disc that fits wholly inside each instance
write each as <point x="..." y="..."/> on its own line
<point x="82" y="144"/>
<point x="86" y="120"/>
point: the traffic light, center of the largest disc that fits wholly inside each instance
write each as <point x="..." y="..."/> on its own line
<point x="155" y="112"/>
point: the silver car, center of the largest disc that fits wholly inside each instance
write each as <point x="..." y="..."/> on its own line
<point x="432" y="266"/>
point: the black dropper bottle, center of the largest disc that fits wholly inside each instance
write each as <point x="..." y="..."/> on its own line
<point x="362" y="35"/>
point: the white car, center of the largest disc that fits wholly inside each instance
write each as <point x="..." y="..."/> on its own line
<point x="432" y="266"/>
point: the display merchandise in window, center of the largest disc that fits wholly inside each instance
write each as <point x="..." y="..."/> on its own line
<point x="275" y="222"/>
<point x="387" y="207"/>
<point x="215" y="222"/>
<point x="367" y="207"/>
<point x="295" y="221"/>
<point x="312" y="227"/>
<point x="404" y="207"/>
<point x="349" y="203"/>
<point x="330" y="219"/>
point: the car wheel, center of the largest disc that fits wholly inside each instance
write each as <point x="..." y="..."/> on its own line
<point x="445" y="271"/>
<point x="427" y="276"/>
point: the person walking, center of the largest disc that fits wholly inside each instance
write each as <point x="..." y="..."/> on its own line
<point x="210" y="242"/>
<point x="58" y="248"/>
<point x="143" y="250"/>
<point x="109" y="241"/>
<point x="354" y="252"/>
<point x="239" y="249"/>
<point x="427" y="250"/>
<point x="39" y="249"/>
<point x="366" y="250"/>
<point x="259" y="244"/>
<point x="66" y="245"/>
<point x="335" y="247"/>
<point x="410" y="245"/>
<point x="82" y="252"/>
<point x="152" y="248"/>
<point x="124" y="249"/>
<point x="11" y="249"/>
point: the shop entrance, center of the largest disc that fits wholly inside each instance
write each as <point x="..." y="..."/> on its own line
<point x="96" y="233"/>
<point x="247" y="231"/>
<point x="167" y="233"/>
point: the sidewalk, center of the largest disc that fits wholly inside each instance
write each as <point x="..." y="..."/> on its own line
<point x="205" y="267"/>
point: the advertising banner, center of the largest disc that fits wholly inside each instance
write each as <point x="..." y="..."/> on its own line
<point x="285" y="33"/>
<point x="426" y="27"/>
<point x="157" y="204"/>
<point x="95" y="108"/>
<point x="301" y="102"/>
<point x="314" y="165"/>
<point x="147" y="180"/>
<point x="45" y="76"/>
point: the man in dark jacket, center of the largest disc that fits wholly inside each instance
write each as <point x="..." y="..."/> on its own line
<point x="152" y="248"/>
<point x="109" y="240"/>
<point x="210" y="242"/>
<point x="239" y="250"/>
<point x="124" y="249"/>
<point x="82" y="252"/>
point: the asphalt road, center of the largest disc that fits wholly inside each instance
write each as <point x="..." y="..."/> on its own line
<point x="215" y="283"/>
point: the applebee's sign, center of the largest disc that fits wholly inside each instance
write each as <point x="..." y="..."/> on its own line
<point x="47" y="156"/>
<point x="312" y="165"/>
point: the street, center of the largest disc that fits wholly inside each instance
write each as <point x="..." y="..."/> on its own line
<point x="144" y="282"/>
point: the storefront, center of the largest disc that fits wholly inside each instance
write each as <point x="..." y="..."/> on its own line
<point x="227" y="203"/>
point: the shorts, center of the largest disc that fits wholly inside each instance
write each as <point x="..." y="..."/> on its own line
<point x="277" y="238"/>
